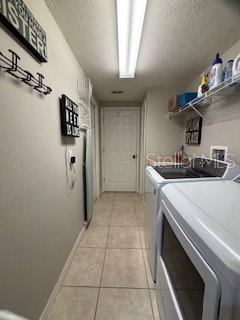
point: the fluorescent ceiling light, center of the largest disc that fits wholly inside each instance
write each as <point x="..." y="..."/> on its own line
<point x="130" y="18"/>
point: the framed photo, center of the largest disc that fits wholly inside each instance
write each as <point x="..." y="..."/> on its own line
<point x="193" y="131"/>
<point x="218" y="153"/>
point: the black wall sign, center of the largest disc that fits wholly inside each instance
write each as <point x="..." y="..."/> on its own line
<point x="69" y="117"/>
<point x="193" y="131"/>
<point x="15" y="15"/>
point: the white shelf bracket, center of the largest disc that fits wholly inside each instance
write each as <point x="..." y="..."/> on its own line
<point x="198" y="112"/>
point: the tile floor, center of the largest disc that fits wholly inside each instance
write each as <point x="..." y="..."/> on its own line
<point x="109" y="277"/>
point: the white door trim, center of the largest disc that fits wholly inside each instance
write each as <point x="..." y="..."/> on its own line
<point x="97" y="146"/>
<point x="143" y="146"/>
<point x="138" y="143"/>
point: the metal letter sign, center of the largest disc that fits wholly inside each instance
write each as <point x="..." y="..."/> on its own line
<point x="193" y="131"/>
<point x="15" y="15"/>
<point x="69" y="117"/>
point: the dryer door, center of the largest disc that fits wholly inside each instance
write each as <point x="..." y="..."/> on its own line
<point x="188" y="287"/>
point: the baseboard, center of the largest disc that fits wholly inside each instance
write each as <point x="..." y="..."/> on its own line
<point x="61" y="277"/>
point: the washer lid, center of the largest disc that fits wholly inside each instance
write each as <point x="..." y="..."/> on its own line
<point x="209" y="213"/>
<point x="154" y="176"/>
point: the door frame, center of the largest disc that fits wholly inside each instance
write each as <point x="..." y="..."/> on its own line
<point x="143" y="146"/>
<point x="138" y="143"/>
<point x="97" y="147"/>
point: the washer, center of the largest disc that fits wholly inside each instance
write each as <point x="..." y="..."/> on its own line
<point x="198" y="262"/>
<point x="200" y="169"/>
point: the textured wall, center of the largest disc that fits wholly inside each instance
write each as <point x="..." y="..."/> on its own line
<point x="40" y="218"/>
<point x="223" y="124"/>
<point x="163" y="136"/>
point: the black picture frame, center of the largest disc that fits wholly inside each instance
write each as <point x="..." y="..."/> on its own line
<point x="193" y="133"/>
<point x="69" y="112"/>
<point x="18" y="19"/>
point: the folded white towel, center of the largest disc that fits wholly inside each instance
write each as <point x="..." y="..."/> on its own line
<point x="6" y="315"/>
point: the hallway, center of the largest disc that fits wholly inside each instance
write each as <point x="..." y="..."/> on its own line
<point x="109" y="278"/>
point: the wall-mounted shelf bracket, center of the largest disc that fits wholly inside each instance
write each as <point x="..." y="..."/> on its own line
<point x="198" y="112"/>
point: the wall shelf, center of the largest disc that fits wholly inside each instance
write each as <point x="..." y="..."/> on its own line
<point x="199" y="105"/>
<point x="84" y="93"/>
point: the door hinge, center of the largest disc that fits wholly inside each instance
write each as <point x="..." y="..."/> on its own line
<point x="103" y="150"/>
<point x="104" y="179"/>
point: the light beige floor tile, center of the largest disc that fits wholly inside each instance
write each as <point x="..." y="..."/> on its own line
<point x="154" y="305"/>
<point x="107" y="196"/>
<point x="86" y="268"/>
<point x="123" y="237"/>
<point x="142" y="236"/>
<point x="138" y="202"/>
<point x="101" y="218"/>
<point x="140" y="211"/>
<point x="140" y="218"/>
<point x="124" y="304"/>
<point x="100" y="210"/>
<point x="95" y="237"/>
<point x="123" y="218"/>
<point x="74" y="304"/>
<point x="103" y="202"/>
<point x="151" y="283"/>
<point x="103" y="205"/>
<point x="123" y="206"/>
<point x="137" y="196"/>
<point x="123" y="196"/>
<point x="124" y="268"/>
<point x="139" y="206"/>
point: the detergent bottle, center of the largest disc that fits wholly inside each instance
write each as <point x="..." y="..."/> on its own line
<point x="216" y="72"/>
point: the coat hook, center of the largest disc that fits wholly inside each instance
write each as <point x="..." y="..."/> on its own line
<point x="40" y="80"/>
<point x="48" y="91"/>
<point x="39" y="86"/>
<point x="15" y="59"/>
<point x="11" y="66"/>
<point x="28" y="78"/>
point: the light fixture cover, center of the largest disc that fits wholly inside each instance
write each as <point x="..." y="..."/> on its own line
<point x="130" y="19"/>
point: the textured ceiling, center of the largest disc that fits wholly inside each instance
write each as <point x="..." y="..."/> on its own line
<point x="180" y="39"/>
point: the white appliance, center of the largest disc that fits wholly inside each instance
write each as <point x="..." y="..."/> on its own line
<point x="7" y="315"/>
<point x="198" y="264"/>
<point x="156" y="177"/>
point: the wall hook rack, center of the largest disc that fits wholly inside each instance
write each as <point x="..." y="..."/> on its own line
<point x="11" y="66"/>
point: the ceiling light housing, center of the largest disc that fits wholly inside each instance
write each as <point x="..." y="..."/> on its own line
<point x="117" y="92"/>
<point x="130" y="19"/>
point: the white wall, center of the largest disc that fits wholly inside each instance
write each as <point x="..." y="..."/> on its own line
<point x="40" y="218"/>
<point x="119" y="104"/>
<point x="163" y="136"/>
<point x="224" y="120"/>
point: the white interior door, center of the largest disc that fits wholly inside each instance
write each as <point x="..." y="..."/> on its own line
<point x="120" y="139"/>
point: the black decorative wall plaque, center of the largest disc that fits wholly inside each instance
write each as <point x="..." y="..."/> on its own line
<point x="193" y="131"/>
<point x="69" y="117"/>
<point x="16" y="16"/>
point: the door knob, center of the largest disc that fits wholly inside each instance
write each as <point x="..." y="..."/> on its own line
<point x="134" y="157"/>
